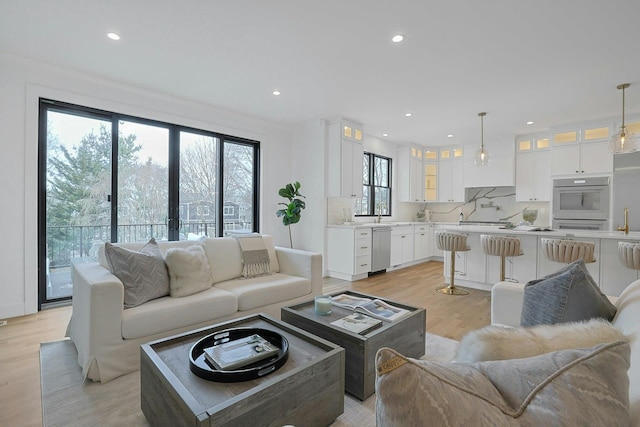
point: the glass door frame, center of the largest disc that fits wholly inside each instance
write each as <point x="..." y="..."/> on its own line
<point x="173" y="208"/>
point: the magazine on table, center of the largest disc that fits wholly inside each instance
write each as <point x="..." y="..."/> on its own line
<point x="374" y="308"/>
<point x="524" y="227"/>
<point x="238" y="353"/>
<point x="358" y="323"/>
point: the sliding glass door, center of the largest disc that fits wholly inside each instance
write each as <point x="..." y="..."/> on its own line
<point x="78" y="182"/>
<point x="109" y="177"/>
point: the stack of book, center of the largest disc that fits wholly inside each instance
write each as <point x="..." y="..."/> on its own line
<point x="239" y="353"/>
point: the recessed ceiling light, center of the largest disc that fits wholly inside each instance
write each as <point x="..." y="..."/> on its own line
<point x="385" y="134"/>
<point x="113" y="36"/>
<point x="529" y="122"/>
<point x="276" y="92"/>
<point x="397" y="38"/>
<point x="408" y="114"/>
<point x="449" y="136"/>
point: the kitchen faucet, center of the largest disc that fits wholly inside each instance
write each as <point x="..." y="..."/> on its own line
<point x="625" y="228"/>
<point x="380" y="205"/>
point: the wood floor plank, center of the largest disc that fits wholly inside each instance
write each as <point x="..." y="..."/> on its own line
<point x="20" y="398"/>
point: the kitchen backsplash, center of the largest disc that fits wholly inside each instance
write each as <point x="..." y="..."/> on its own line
<point x="484" y="204"/>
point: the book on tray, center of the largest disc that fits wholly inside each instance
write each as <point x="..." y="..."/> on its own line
<point x="371" y="307"/>
<point x="239" y="353"/>
<point x="358" y="323"/>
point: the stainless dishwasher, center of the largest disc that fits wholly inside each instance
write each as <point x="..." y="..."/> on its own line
<point x="381" y="256"/>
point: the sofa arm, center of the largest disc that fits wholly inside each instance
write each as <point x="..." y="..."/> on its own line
<point x="506" y="303"/>
<point x="96" y="319"/>
<point x="302" y="264"/>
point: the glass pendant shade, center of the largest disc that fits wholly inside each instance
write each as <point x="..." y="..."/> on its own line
<point x="482" y="156"/>
<point x="624" y="141"/>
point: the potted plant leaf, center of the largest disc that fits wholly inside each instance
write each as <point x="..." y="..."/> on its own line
<point x="293" y="208"/>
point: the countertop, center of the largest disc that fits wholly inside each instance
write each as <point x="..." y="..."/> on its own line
<point x="495" y="229"/>
<point x="591" y="234"/>
<point x="383" y="223"/>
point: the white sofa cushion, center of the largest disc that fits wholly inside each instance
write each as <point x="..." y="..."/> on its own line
<point x="264" y="290"/>
<point x="166" y="314"/>
<point x="225" y="257"/>
<point x="189" y="271"/>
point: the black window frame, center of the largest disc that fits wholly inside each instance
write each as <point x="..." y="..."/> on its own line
<point x="369" y="187"/>
<point x="46" y="105"/>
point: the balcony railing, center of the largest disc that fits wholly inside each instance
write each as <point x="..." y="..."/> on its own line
<point x="67" y="242"/>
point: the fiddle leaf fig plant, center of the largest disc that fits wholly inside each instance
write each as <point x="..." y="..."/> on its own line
<point x="292" y="210"/>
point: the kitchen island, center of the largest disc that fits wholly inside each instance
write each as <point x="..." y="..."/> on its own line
<point x="476" y="270"/>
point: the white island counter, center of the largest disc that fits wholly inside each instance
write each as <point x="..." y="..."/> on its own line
<point x="476" y="270"/>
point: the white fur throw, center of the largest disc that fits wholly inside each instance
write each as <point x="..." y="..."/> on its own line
<point x="189" y="271"/>
<point x="496" y="342"/>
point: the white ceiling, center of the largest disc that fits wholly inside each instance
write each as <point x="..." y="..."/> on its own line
<point x="550" y="61"/>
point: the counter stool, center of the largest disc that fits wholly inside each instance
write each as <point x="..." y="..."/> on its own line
<point x="568" y="251"/>
<point x="452" y="242"/>
<point x="502" y="246"/>
<point x="629" y="254"/>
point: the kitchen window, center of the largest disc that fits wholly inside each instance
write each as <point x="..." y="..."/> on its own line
<point x="376" y="186"/>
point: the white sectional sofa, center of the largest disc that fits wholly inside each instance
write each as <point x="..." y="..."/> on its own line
<point x="108" y="336"/>
<point x="506" y="308"/>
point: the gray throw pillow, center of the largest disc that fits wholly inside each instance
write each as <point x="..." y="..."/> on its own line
<point x="143" y="273"/>
<point x="569" y="295"/>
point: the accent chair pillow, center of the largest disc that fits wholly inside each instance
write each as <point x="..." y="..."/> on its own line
<point x="497" y="342"/>
<point x="569" y="295"/>
<point x="189" y="271"/>
<point x="578" y="387"/>
<point x="143" y="273"/>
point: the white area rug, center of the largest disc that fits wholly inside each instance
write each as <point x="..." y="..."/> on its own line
<point x="68" y="401"/>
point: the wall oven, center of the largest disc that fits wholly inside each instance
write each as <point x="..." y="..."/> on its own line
<point x="581" y="203"/>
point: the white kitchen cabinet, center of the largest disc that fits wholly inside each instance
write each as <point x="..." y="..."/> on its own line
<point x="451" y="175"/>
<point x="581" y="158"/>
<point x="345" y="159"/>
<point x="501" y="169"/>
<point x="410" y="186"/>
<point x="351" y="169"/>
<point x="614" y="276"/>
<point x="533" y="176"/>
<point x="430" y="181"/>
<point x="520" y="268"/>
<point x="422" y="241"/>
<point x="349" y="252"/>
<point x="401" y="244"/>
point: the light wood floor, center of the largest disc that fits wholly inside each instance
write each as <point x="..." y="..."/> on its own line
<point x="20" y="400"/>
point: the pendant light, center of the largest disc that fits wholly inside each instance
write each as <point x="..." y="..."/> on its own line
<point x="624" y="141"/>
<point x="481" y="157"/>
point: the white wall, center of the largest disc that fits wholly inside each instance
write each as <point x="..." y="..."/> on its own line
<point x="308" y="165"/>
<point x="23" y="81"/>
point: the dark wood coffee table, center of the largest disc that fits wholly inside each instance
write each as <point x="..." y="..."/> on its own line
<point x="406" y="335"/>
<point x="307" y="391"/>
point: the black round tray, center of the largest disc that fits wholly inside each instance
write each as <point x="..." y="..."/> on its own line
<point x="201" y="367"/>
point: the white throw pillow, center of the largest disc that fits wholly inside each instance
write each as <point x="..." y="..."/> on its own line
<point x="496" y="342"/>
<point x="189" y="271"/>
